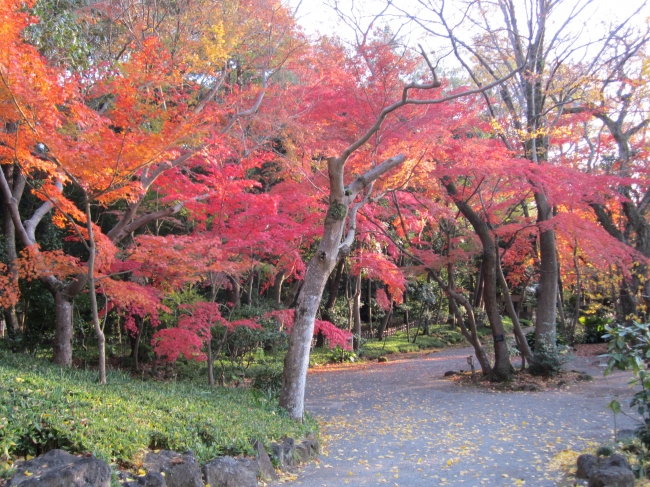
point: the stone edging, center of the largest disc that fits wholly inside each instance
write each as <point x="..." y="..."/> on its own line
<point x="165" y="468"/>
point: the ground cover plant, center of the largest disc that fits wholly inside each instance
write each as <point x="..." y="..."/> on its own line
<point x="43" y="407"/>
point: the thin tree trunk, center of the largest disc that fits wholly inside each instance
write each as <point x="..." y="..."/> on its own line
<point x="101" y="340"/>
<point x="526" y="353"/>
<point x="369" y="304"/>
<point x="576" y="311"/>
<point x="356" y="312"/>
<point x="470" y="335"/>
<point x="136" y="346"/>
<point x="385" y="321"/>
<point x="234" y="293"/>
<point x="290" y="299"/>
<point x="210" y="362"/>
<point x="276" y="294"/>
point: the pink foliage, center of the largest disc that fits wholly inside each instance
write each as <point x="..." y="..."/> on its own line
<point x="382" y="299"/>
<point x="335" y="336"/>
<point x="171" y="343"/>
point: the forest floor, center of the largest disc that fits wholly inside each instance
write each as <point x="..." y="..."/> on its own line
<point x="403" y="424"/>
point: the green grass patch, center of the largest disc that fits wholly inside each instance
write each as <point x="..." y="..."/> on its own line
<point x="398" y="343"/>
<point x="43" y="407"/>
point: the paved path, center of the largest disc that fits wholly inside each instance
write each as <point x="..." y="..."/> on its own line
<point x="402" y="424"/>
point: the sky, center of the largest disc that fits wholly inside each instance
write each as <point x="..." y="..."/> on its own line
<point x="317" y="17"/>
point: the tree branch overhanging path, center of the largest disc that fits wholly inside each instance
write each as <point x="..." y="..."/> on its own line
<point x="333" y="241"/>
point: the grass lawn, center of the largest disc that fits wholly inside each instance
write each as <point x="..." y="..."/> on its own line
<point x="43" y="406"/>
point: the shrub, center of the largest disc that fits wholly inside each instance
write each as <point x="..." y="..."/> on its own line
<point x="628" y="348"/>
<point x="594" y="328"/>
<point x="548" y="362"/>
<point x="605" y="451"/>
<point x="268" y="380"/>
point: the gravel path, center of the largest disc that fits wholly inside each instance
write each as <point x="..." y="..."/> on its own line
<point x="402" y="424"/>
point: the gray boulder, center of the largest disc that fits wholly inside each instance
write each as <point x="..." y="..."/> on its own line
<point x="231" y="472"/>
<point x="283" y="452"/>
<point x="151" y="479"/>
<point x="58" y="468"/>
<point x="615" y="460"/>
<point x="587" y="465"/>
<point x="266" y="469"/>
<point x="612" y="477"/>
<point x="178" y="470"/>
<point x="289" y="454"/>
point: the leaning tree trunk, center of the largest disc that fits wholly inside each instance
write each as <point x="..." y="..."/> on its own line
<point x="502" y="369"/>
<point x="330" y="249"/>
<point x="276" y="293"/>
<point x="526" y="354"/>
<point x="296" y="361"/>
<point x="470" y="335"/>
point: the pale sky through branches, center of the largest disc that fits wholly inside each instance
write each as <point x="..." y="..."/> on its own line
<point x="318" y="16"/>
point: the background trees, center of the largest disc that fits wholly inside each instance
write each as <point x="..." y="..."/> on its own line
<point x="175" y="172"/>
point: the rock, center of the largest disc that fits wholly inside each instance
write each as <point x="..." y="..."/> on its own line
<point x="529" y="388"/>
<point x="283" y="452"/>
<point x="585" y="377"/>
<point x="382" y="360"/>
<point x="301" y="453"/>
<point x="612" y="477"/>
<point x="267" y="471"/>
<point x="450" y="373"/>
<point x="289" y="454"/>
<point x="231" y="472"/>
<point x="58" y="468"/>
<point x="151" y="479"/>
<point x="587" y="465"/>
<point x="179" y="470"/>
<point x="314" y="444"/>
<point x="616" y="460"/>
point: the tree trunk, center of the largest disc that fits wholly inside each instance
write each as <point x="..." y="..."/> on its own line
<point x="63" y="331"/>
<point x="478" y="291"/>
<point x="470" y="335"/>
<point x="384" y="322"/>
<point x="333" y="290"/>
<point x="369" y="304"/>
<point x="356" y="312"/>
<point x="136" y="344"/>
<point x="502" y="369"/>
<point x="101" y="339"/>
<point x="248" y="293"/>
<point x="290" y="300"/>
<point x="276" y="294"/>
<point x="234" y="293"/>
<point x="17" y="185"/>
<point x="210" y="362"/>
<point x="331" y="249"/>
<point x="545" y="329"/>
<point x="526" y="354"/>
<point x="296" y="361"/>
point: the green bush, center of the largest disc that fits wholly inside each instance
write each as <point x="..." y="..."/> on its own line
<point x="268" y="380"/>
<point x="593" y="328"/>
<point x="548" y="362"/>
<point x="44" y="407"/>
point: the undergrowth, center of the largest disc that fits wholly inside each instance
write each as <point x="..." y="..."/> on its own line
<point x="44" y="407"/>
